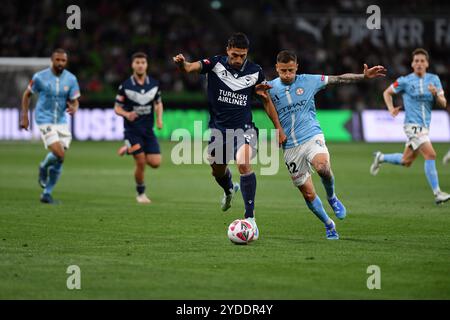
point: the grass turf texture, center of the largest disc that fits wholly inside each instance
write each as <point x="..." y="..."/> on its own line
<point x="177" y="248"/>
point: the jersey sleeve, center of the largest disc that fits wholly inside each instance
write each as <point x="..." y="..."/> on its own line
<point x="261" y="76"/>
<point x="208" y="64"/>
<point x="270" y="91"/>
<point x="319" y="81"/>
<point x="74" y="92"/>
<point x="399" y="85"/>
<point x="35" y="84"/>
<point x="158" y="97"/>
<point x="437" y="83"/>
<point x="120" y="97"/>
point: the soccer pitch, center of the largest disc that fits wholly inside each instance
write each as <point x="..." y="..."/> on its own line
<point x="177" y="248"/>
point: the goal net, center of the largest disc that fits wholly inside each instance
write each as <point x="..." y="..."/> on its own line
<point x="15" y="75"/>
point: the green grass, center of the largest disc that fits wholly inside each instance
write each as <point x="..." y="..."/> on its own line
<point x="176" y="248"/>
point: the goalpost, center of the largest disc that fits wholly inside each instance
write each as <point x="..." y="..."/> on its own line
<point x="15" y="75"/>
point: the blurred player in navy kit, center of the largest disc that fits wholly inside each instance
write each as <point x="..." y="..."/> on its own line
<point x="137" y="101"/>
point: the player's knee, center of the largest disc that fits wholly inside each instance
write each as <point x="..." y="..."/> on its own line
<point x="407" y="162"/>
<point x="218" y="172"/>
<point x="154" y="163"/>
<point x="60" y="155"/>
<point x="323" y="169"/>
<point x="309" y="195"/>
<point x="430" y="156"/>
<point x="140" y="163"/>
<point x="244" y="168"/>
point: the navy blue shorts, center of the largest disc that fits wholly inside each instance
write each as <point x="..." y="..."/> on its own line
<point x="222" y="147"/>
<point x="141" y="141"/>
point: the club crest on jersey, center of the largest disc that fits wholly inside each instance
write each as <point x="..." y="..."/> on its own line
<point x="66" y="88"/>
<point x="299" y="91"/>
<point x="46" y="130"/>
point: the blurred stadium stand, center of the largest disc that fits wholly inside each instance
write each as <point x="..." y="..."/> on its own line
<point x="329" y="36"/>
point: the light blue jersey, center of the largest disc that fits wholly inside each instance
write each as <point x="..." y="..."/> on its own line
<point x="296" y="107"/>
<point x="417" y="99"/>
<point x="54" y="92"/>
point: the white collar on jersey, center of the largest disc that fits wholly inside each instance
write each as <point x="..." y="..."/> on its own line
<point x="147" y="80"/>
<point x="235" y="82"/>
<point x="243" y="65"/>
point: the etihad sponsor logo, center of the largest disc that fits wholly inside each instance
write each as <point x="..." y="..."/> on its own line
<point x="293" y="107"/>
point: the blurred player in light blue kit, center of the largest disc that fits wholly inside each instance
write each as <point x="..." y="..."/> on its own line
<point x="138" y="101"/>
<point x="420" y="91"/>
<point x="292" y="95"/>
<point x="58" y="93"/>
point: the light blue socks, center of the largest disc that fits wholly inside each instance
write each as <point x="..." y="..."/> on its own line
<point x="317" y="208"/>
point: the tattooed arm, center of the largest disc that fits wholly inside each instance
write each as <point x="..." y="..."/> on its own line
<point x="374" y="72"/>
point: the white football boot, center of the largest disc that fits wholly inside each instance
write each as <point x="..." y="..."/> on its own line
<point x="441" y="197"/>
<point x="255" y="227"/>
<point x="142" y="198"/>
<point x="227" y="198"/>
<point x="446" y="158"/>
<point x="375" y="167"/>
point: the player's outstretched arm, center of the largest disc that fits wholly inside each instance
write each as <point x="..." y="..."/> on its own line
<point x="388" y="96"/>
<point x="374" y="72"/>
<point x="24" y="121"/>
<point x="185" y="66"/>
<point x="438" y="95"/>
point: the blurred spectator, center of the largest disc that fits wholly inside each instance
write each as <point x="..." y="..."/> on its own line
<point x="112" y="30"/>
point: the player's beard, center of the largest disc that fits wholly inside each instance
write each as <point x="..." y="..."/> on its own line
<point x="140" y="75"/>
<point x="58" y="69"/>
<point x="236" y="66"/>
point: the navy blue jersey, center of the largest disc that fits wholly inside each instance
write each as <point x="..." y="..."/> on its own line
<point x="230" y="92"/>
<point x="133" y="96"/>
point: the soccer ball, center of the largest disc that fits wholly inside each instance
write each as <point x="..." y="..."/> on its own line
<point x="241" y="232"/>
